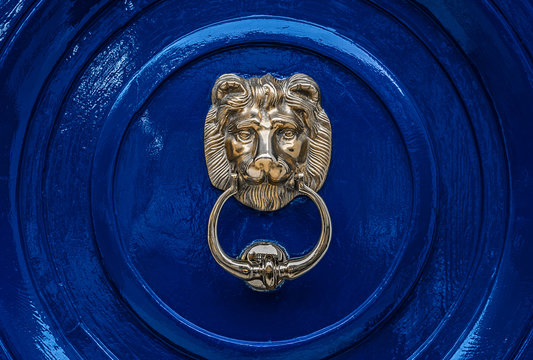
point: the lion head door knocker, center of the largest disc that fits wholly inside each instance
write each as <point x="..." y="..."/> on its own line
<point x="267" y="141"/>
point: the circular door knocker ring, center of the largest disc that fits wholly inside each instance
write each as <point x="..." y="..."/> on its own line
<point x="266" y="141"/>
<point x="266" y="265"/>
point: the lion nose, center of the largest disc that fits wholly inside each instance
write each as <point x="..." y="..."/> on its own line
<point x="265" y="154"/>
<point x="265" y="158"/>
<point x="264" y="162"/>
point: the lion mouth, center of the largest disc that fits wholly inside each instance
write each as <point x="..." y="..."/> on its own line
<point x="265" y="196"/>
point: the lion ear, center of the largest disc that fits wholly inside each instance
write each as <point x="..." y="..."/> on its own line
<point x="304" y="86"/>
<point x="227" y="84"/>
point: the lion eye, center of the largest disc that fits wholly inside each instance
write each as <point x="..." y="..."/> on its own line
<point x="244" y="135"/>
<point x="289" y="134"/>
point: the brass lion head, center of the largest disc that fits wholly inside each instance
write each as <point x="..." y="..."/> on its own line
<point x="266" y="130"/>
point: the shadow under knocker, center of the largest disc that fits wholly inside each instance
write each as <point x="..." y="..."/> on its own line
<point x="267" y="141"/>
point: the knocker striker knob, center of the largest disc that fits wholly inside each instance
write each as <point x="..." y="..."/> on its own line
<point x="267" y="141"/>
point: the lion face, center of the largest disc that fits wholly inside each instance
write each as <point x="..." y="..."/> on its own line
<point x="267" y="130"/>
<point x="266" y="145"/>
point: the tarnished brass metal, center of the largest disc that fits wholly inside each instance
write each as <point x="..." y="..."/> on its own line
<point x="267" y="141"/>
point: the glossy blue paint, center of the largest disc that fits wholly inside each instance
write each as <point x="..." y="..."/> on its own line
<point x="105" y="196"/>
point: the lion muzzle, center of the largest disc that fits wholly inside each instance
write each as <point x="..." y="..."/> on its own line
<point x="266" y="169"/>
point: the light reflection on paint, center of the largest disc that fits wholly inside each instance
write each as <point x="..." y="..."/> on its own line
<point x="45" y="341"/>
<point x="156" y="145"/>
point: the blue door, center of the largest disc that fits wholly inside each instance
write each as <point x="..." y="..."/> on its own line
<point x="364" y="166"/>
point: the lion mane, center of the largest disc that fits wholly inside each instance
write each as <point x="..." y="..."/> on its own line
<point x="300" y="92"/>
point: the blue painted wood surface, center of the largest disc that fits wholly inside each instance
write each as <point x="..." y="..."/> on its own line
<point x="104" y="194"/>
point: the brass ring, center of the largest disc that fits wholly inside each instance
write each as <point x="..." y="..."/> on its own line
<point x="265" y="265"/>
